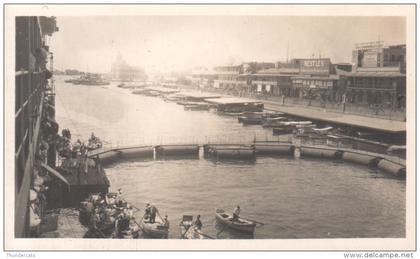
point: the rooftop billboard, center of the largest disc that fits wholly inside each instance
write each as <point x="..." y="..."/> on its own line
<point x="315" y="66"/>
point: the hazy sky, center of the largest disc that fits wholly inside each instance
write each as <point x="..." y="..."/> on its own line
<point x="173" y="43"/>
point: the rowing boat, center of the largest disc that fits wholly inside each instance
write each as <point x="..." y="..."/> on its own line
<point x="188" y="230"/>
<point x="154" y="230"/>
<point x="239" y="224"/>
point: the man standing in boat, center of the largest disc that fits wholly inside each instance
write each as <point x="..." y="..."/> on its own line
<point x="166" y="221"/>
<point x="152" y="211"/>
<point x="147" y="212"/>
<point x="236" y="213"/>
<point x="197" y="224"/>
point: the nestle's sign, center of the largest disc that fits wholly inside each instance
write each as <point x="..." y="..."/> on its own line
<point x="315" y="66"/>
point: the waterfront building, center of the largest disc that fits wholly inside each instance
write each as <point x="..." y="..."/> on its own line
<point x="317" y="79"/>
<point x="202" y="77"/>
<point x="122" y="71"/>
<point x="227" y="79"/>
<point x="274" y="80"/>
<point x="34" y="112"/>
<point x="378" y="76"/>
<point x="236" y="79"/>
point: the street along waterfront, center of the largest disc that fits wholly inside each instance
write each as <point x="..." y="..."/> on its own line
<point x="295" y="198"/>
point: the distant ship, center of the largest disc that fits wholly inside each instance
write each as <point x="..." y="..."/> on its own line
<point x="88" y="79"/>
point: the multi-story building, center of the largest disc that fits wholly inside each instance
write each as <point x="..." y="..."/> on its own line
<point x="275" y="80"/>
<point x="228" y="78"/>
<point x="237" y="79"/>
<point x="378" y="75"/>
<point x="122" y="71"/>
<point x="316" y="79"/>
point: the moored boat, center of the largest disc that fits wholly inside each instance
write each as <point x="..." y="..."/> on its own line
<point x="273" y="115"/>
<point x="274" y="122"/>
<point x="232" y="113"/>
<point x="295" y="123"/>
<point x="69" y="81"/>
<point x="154" y="230"/>
<point x="196" y="106"/>
<point x="239" y="224"/>
<point x="188" y="230"/>
<point x="283" y="130"/>
<point x="252" y="120"/>
<point x="193" y="233"/>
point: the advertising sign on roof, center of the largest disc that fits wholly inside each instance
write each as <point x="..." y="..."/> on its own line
<point x="371" y="58"/>
<point x="315" y="66"/>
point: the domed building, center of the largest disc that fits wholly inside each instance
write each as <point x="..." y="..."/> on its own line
<point x="122" y="71"/>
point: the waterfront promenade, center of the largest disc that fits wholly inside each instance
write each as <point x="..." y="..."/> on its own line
<point x="368" y="122"/>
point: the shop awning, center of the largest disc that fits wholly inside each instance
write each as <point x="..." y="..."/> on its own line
<point x="56" y="173"/>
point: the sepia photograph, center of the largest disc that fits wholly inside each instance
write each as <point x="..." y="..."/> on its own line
<point x="178" y="127"/>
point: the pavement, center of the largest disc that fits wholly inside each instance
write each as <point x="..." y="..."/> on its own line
<point x="386" y="125"/>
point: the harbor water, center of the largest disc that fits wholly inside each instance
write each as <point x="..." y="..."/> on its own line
<point x="295" y="198"/>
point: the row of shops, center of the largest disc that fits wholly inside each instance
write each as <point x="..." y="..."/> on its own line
<point x="318" y="78"/>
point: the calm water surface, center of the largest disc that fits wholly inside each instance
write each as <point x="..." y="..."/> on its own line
<point x="296" y="198"/>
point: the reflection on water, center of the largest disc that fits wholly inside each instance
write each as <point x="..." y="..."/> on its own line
<point x="295" y="198"/>
<point x="224" y="232"/>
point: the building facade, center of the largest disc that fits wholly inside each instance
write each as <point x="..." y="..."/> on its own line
<point x="375" y="77"/>
<point x="318" y="80"/>
<point x="228" y="78"/>
<point x="378" y="76"/>
<point x="276" y="81"/>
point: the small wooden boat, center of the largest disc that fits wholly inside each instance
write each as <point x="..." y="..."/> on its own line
<point x="283" y="130"/>
<point x="279" y="118"/>
<point x="152" y="93"/>
<point x="252" y="120"/>
<point x="295" y="123"/>
<point x="232" y="113"/>
<point x="139" y="91"/>
<point x="154" y="230"/>
<point x="188" y="230"/>
<point x="177" y="97"/>
<point x="131" y="232"/>
<point x="240" y="224"/>
<point x="193" y="233"/>
<point x="196" y="106"/>
<point x="273" y="115"/>
<point x="273" y="123"/>
<point x="308" y="126"/>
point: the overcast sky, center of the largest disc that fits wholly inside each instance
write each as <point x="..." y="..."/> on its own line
<point x="174" y="43"/>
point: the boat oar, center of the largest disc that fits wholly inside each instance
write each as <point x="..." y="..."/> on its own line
<point x="141" y="220"/>
<point x="254" y="221"/>
<point x="224" y="228"/>
<point x="186" y="230"/>
<point x="205" y="235"/>
<point x="157" y="212"/>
